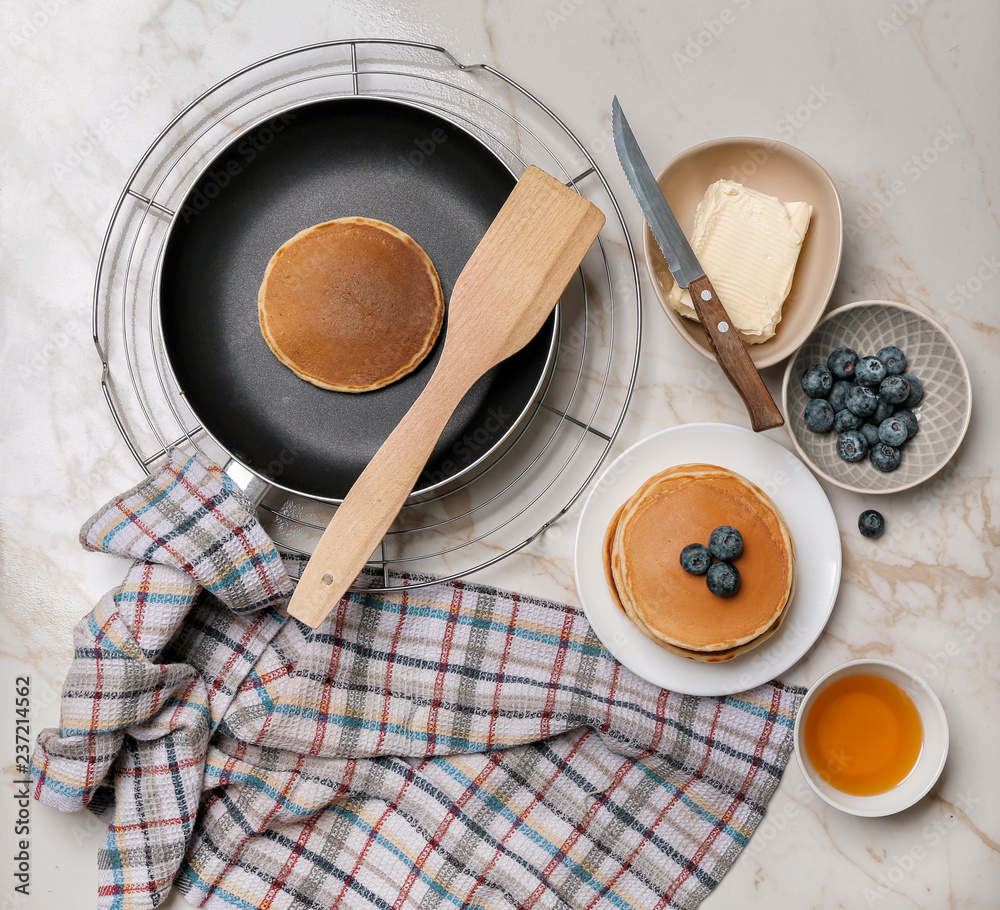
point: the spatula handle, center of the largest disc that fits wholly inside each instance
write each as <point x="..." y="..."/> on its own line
<point x="731" y="352"/>
<point x="375" y="499"/>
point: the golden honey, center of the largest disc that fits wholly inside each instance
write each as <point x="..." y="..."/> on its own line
<point x="863" y="734"/>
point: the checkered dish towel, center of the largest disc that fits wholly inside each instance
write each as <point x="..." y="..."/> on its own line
<point x="444" y="747"/>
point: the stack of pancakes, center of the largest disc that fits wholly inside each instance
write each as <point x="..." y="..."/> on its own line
<point x="351" y="304"/>
<point x="642" y="547"/>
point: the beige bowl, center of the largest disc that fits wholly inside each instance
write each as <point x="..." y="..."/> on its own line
<point x="780" y="170"/>
<point x="943" y="414"/>
<point x="930" y="762"/>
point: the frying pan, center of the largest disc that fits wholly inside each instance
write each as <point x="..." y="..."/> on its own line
<point x="328" y="159"/>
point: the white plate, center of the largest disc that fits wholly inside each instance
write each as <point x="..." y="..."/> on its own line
<point x="806" y="511"/>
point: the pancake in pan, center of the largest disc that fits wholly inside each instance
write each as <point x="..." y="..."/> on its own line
<point x="351" y="305"/>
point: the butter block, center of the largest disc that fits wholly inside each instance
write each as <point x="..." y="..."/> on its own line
<point x="748" y="244"/>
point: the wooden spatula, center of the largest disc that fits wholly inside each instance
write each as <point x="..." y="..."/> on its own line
<point x="504" y="294"/>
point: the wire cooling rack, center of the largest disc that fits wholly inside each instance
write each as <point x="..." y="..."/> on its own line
<point x="557" y="454"/>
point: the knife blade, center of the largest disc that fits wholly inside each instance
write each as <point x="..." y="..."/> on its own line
<point x="730" y="350"/>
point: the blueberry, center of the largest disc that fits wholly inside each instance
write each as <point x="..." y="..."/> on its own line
<point x="723" y="579"/>
<point x="842" y="362"/>
<point x="910" y="419"/>
<point x="695" y="558"/>
<point x="846" y="420"/>
<point x="870" y="432"/>
<point x="893" y="358"/>
<point x="817" y="381"/>
<point x="838" y="394"/>
<point x="892" y="431"/>
<point x="869" y="372"/>
<point x="885" y="457"/>
<point x="871" y="523"/>
<point x="883" y="410"/>
<point x="819" y="415"/>
<point x="916" y="391"/>
<point x="893" y="389"/>
<point x="851" y="445"/>
<point x="725" y="542"/>
<point x="861" y="401"/>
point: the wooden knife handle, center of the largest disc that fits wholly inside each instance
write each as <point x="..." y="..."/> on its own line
<point x="731" y="352"/>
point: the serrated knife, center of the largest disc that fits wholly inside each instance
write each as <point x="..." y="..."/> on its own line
<point x="730" y="350"/>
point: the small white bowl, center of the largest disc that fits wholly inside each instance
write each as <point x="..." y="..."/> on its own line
<point x="929" y="764"/>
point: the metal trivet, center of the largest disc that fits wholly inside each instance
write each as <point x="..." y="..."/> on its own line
<point x="555" y="458"/>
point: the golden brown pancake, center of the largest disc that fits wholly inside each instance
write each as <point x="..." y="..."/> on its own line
<point x="351" y="305"/>
<point x="675" y="609"/>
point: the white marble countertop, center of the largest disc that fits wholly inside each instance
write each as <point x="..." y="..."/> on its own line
<point x="898" y="99"/>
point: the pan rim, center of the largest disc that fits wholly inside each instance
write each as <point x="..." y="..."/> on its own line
<point x="422" y="494"/>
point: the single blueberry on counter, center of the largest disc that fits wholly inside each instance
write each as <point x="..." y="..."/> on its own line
<point x="871" y="523"/>
<point x="838" y="394"/>
<point x="869" y="372"/>
<point x="695" y="559"/>
<point x="817" y="381"/>
<point x="725" y="542"/>
<point x="893" y="358"/>
<point x="861" y="401"/>
<point x="892" y="431"/>
<point x="910" y="419"/>
<point x="723" y="579"/>
<point x="916" y="391"/>
<point x="842" y="363"/>
<point x="885" y="457"/>
<point x="819" y="415"/>
<point x="851" y="445"/>
<point x="846" y="420"/>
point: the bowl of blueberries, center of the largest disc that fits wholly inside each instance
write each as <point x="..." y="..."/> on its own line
<point x="878" y="399"/>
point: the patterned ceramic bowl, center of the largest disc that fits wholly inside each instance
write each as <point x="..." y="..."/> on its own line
<point x="943" y="414"/>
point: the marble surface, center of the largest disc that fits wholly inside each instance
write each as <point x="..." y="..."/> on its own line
<point x="898" y="100"/>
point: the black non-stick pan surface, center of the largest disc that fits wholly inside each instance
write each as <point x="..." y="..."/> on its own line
<point x="324" y="160"/>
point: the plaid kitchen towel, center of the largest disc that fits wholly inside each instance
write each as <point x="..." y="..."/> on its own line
<point x="452" y="746"/>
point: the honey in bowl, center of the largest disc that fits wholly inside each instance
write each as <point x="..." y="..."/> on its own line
<point x="863" y="734"/>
